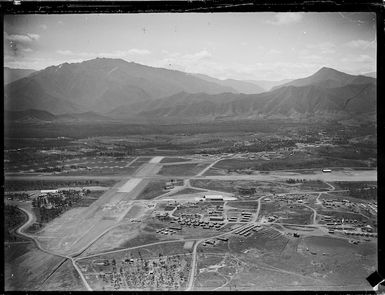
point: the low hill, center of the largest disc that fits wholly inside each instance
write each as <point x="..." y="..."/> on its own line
<point x="11" y="74"/>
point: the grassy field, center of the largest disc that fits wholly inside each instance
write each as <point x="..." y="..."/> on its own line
<point x="270" y="208"/>
<point x="297" y="216"/>
<point x="27" y="185"/>
<point x="296" y="161"/>
<point x="139" y="240"/>
<point x="173" y="160"/>
<point x="29" y="266"/>
<point x="208" y="280"/>
<point x="114" y="239"/>
<point x="152" y="190"/>
<point x="13" y="218"/>
<point x="313" y="185"/>
<point x="247" y="205"/>
<point x="231" y="186"/>
<point x="65" y="278"/>
<point x="146" y="252"/>
<point x="182" y="169"/>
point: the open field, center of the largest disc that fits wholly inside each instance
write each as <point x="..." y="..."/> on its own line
<point x="173" y="160"/>
<point x="232" y="186"/>
<point x="298" y="160"/>
<point x="153" y="189"/>
<point x="29" y="185"/>
<point x="26" y="267"/>
<point x="63" y="279"/>
<point x="296" y="216"/>
<point x="344" y="175"/>
<point x="182" y="169"/>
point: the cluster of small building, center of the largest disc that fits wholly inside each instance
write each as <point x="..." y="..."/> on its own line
<point x="216" y="214"/>
<point x="291" y="199"/>
<point x="245" y="216"/>
<point x="195" y="222"/>
<point x="166" y="272"/>
<point x="354" y="207"/>
<point x="333" y="203"/>
<point x="165" y="231"/>
<point x="348" y="226"/>
<point x="363" y="234"/>
<point x="248" y="230"/>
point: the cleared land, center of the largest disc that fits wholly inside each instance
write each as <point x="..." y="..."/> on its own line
<point x="182" y="169"/>
<point x="173" y="160"/>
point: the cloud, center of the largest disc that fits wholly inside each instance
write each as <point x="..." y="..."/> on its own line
<point x="285" y="18"/>
<point x="184" y="62"/>
<point x="136" y="51"/>
<point x="313" y="57"/>
<point x="197" y="56"/>
<point x="273" y="52"/>
<point x="323" y="48"/>
<point x="361" y="44"/>
<point x="64" y="52"/>
<point x="27" y="49"/>
<point x="362" y="58"/>
<point x="125" y="53"/>
<point x="44" y="27"/>
<point x="112" y="54"/>
<point x="23" y="38"/>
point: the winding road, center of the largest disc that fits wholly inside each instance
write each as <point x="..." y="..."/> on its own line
<point x="21" y="232"/>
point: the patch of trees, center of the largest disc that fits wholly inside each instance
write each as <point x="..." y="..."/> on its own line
<point x="364" y="191"/>
<point x="13" y="217"/>
<point x="51" y="206"/>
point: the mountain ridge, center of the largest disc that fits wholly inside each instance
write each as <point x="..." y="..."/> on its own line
<point x="119" y="90"/>
<point x="101" y="84"/>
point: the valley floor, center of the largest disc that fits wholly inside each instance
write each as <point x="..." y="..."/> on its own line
<point x="153" y="230"/>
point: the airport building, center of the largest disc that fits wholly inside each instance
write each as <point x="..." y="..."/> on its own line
<point x="216" y="218"/>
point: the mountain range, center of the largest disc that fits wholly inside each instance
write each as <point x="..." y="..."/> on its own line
<point x="113" y="89"/>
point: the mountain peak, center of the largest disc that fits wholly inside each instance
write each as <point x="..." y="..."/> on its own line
<point x="326" y="70"/>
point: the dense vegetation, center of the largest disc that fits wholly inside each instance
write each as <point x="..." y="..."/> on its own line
<point x="360" y="190"/>
<point x="13" y="218"/>
<point x="85" y="130"/>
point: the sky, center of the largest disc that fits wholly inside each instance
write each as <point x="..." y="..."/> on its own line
<point x="244" y="46"/>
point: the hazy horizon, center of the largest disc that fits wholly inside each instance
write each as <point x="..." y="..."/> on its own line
<point x="242" y="46"/>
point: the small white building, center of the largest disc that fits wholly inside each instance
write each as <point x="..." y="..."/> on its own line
<point x="326" y="170"/>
